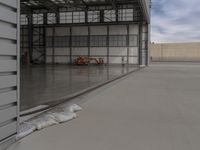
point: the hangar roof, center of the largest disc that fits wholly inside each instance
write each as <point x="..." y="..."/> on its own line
<point x="53" y="5"/>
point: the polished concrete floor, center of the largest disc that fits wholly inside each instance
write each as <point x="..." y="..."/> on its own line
<point x="157" y="108"/>
<point x="47" y="85"/>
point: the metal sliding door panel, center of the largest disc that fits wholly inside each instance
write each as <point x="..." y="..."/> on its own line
<point x="10" y="3"/>
<point x="8" y="65"/>
<point x="9" y="129"/>
<point x="7" y="15"/>
<point x="7" y="81"/>
<point x="8" y="97"/>
<point x="7" y="32"/>
<point x="9" y="69"/>
<point x="7" y="49"/>
<point x="8" y="114"/>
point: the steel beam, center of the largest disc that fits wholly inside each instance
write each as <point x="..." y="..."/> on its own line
<point x="108" y="46"/>
<point x="70" y="44"/>
<point x="89" y="53"/>
<point x="127" y="44"/>
<point x="140" y="45"/>
<point x="53" y="45"/>
<point x="30" y="37"/>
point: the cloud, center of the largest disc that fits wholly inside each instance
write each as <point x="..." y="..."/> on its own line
<point x="175" y="21"/>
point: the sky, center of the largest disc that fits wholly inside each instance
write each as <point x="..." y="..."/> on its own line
<point x="175" y="21"/>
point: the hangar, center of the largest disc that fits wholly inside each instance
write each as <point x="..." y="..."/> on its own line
<point x="52" y="49"/>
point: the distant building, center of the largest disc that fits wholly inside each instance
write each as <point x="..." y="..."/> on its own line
<point x="182" y="52"/>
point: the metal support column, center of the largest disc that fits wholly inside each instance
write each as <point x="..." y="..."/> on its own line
<point x="148" y="42"/>
<point x="86" y="15"/>
<point x="127" y="44"/>
<point x="107" y="44"/>
<point x="140" y="45"/>
<point x="53" y="45"/>
<point x="44" y="37"/>
<point x="45" y="45"/>
<point x="101" y="16"/>
<point x="45" y="18"/>
<point x="57" y="17"/>
<point x="117" y="14"/>
<point x="30" y="37"/>
<point x="70" y="44"/>
<point x="89" y="41"/>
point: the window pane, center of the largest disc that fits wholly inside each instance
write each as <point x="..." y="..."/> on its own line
<point x="118" y="40"/>
<point x="23" y="20"/>
<point x="93" y="16"/>
<point x="51" y="18"/>
<point x="125" y="14"/>
<point x="78" y="41"/>
<point x="38" y="19"/>
<point x="78" y="17"/>
<point x="109" y="15"/>
<point x="133" y="40"/>
<point x="66" y="17"/>
<point x="98" y="40"/>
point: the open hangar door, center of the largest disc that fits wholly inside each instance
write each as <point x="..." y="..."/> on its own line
<point x="9" y="71"/>
<point x="56" y="35"/>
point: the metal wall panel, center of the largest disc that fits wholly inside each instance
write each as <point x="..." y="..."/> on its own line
<point x="8" y="49"/>
<point x="9" y="129"/>
<point x="133" y="52"/>
<point x="115" y="51"/>
<point x="122" y="40"/>
<point x="9" y="70"/>
<point x="144" y="45"/>
<point x="98" y="51"/>
<point x="62" y="51"/>
<point x="62" y="31"/>
<point x="133" y="60"/>
<point x="118" y="30"/>
<point x="62" y="59"/>
<point x="8" y="97"/>
<point x="115" y="60"/>
<point x="8" y="81"/>
<point x="9" y="3"/>
<point x="8" y="15"/>
<point x="8" y="114"/>
<point x="134" y="29"/>
<point x="79" y="31"/>
<point x="123" y="43"/>
<point x="7" y="32"/>
<point x="8" y="65"/>
<point x="80" y="51"/>
<point x="98" y="30"/>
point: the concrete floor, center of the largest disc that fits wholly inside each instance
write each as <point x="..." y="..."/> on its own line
<point x="47" y="85"/>
<point x="157" y="108"/>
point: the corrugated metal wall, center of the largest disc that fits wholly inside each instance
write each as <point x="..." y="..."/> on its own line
<point x="111" y="42"/>
<point x="144" y="44"/>
<point x="9" y="70"/>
